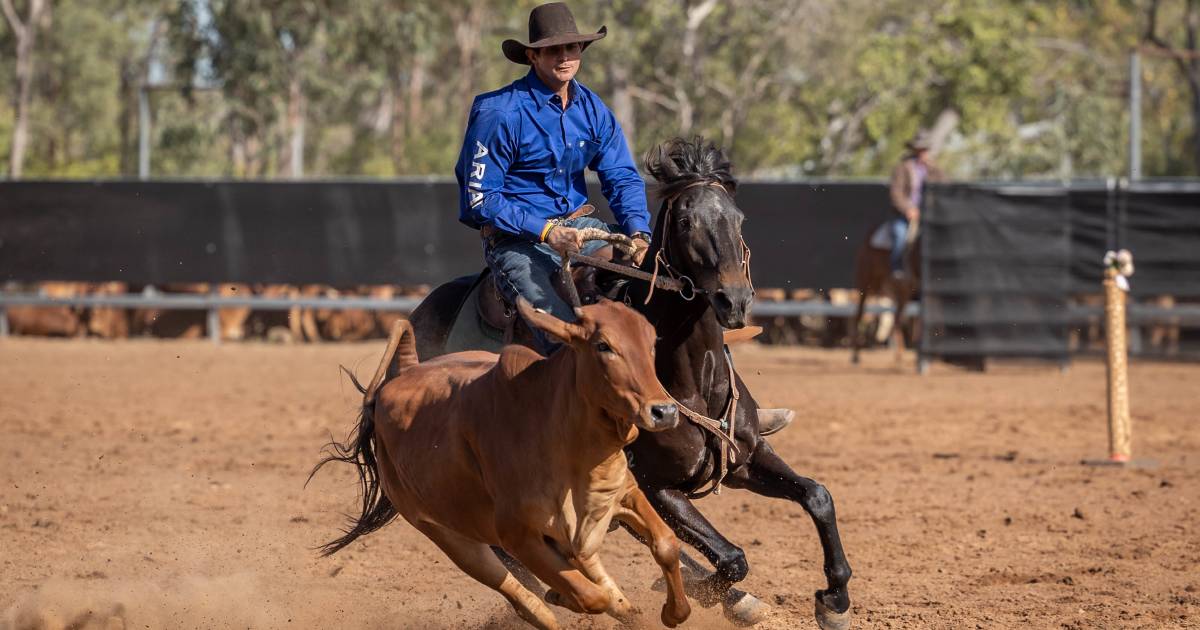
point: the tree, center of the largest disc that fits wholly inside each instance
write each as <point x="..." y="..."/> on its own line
<point x="25" y="33"/>
<point x="1185" y="57"/>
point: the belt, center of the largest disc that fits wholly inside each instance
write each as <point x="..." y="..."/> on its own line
<point x="488" y="231"/>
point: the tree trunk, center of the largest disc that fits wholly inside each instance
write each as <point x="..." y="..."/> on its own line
<point x="467" y="34"/>
<point x="1194" y="82"/>
<point x="126" y="119"/>
<point x="399" y="124"/>
<point x="416" y="96"/>
<point x="622" y="101"/>
<point x="296" y="107"/>
<point x="26" y="37"/>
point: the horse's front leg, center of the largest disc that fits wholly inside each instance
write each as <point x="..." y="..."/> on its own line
<point x="691" y="527"/>
<point x="768" y="475"/>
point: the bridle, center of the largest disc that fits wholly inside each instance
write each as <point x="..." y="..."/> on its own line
<point x="663" y="253"/>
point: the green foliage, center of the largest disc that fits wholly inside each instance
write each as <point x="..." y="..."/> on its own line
<point x="1031" y="88"/>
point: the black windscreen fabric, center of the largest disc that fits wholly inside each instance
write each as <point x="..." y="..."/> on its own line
<point x="346" y="233"/>
<point x="995" y="271"/>
<point x="1093" y="224"/>
<point x="1160" y="225"/>
<point x="289" y="232"/>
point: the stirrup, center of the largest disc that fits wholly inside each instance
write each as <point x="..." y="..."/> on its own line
<point x="774" y="420"/>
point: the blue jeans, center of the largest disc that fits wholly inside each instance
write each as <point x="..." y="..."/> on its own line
<point x="526" y="268"/>
<point x="899" y="229"/>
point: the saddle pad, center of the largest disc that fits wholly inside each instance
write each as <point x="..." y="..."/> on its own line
<point x="469" y="331"/>
<point x="881" y="238"/>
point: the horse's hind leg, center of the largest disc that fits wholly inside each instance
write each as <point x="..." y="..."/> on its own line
<point x="768" y="475"/>
<point x="477" y="560"/>
<point x="855" y="331"/>
<point x="899" y="322"/>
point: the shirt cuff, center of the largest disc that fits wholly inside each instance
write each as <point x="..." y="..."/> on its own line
<point x="534" y="228"/>
<point x="633" y="226"/>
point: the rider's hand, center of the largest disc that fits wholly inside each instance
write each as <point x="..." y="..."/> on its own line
<point x="913" y="213"/>
<point x="640" y="247"/>
<point x="564" y="240"/>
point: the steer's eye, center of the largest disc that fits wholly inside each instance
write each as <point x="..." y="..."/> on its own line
<point x="602" y="346"/>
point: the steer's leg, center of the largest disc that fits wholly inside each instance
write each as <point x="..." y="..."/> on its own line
<point x="477" y="560"/>
<point x="570" y="588"/>
<point x="768" y="475"/>
<point x="618" y="605"/>
<point x="639" y="515"/>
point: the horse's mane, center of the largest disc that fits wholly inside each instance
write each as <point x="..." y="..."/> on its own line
<point x="677" y="163"/>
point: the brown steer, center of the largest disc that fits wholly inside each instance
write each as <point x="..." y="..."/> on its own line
<point x="521" y="452"/>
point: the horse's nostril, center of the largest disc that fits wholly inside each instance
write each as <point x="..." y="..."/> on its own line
<point x="723" y="300"/>
<point x="662" y="412"/>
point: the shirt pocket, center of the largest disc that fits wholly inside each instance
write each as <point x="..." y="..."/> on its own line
<point x="585" y="150"/>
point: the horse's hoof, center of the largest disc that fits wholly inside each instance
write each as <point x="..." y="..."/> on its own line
<point x="829" y="619"/>
<point x="746" y="610"/>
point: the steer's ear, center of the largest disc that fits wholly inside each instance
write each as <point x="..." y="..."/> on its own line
<point x="565" y="332"/>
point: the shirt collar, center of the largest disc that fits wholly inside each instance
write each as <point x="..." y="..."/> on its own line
<point x="542" y="94"/>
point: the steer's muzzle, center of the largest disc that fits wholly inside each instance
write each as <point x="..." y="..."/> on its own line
<point x="662" y="417"/>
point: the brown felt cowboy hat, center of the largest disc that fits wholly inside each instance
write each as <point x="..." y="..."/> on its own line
<point x="921" y="141"/>
<point x="549" y="25"/>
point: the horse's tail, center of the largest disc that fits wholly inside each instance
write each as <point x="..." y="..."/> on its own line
<point x="359" y="449"/>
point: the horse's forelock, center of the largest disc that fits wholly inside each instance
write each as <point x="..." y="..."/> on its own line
<point x="678" y="163"/>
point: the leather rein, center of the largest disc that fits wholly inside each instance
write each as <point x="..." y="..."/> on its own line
<point x="724" y="425"/>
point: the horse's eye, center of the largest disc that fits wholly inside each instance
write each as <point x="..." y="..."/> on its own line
<point x="603" y="347"/>
<point x="684" y="223"/>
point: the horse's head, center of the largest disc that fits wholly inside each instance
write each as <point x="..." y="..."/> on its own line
<point x="614" y="363"/>
<point x="699" y="229"/>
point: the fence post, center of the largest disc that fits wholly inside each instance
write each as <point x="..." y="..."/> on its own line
<point x="3" y="322"/>
<point x="1119" y="426"/>
<point x="213" y="319"/>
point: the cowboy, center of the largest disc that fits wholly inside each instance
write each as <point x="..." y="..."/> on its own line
<point x="908" y="181"/>
<point x="522" y="162"/>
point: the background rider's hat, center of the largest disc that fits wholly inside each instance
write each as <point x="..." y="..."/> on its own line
<point x="549" y="25"/>
<point x="921" y="141"/>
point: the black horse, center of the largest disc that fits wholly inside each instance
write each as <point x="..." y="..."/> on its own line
<point x="697" y="235"/>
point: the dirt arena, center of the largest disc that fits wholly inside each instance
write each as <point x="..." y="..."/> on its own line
<point x="162" y="484"/>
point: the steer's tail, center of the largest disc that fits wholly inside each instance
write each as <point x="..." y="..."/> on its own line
<point x="359" y="448"/>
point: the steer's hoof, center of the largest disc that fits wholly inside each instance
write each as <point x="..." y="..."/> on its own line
<point x="829" y="619"/>
<point x="745" y="610"/>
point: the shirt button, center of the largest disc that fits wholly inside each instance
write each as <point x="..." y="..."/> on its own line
<point x="560" y="171"/>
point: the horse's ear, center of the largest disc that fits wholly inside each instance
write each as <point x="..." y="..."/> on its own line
<point x="565" y="332"/>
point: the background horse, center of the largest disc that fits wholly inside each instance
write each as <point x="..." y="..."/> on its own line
<point x="873" y="277"/>
<point x="697" y="236"/>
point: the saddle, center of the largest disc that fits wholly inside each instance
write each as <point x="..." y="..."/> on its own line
<point x="881" y="236"/>
<point x="496" y="311"/>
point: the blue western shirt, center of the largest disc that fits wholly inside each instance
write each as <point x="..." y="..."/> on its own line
<point x="523" y="157"/>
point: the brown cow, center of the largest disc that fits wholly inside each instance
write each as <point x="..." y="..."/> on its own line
<point x="108" y="322"/>
<point x="521" y="452"/>
<point x="54" y="321"/>
<point x="193" y="324"/>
